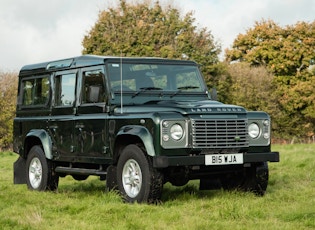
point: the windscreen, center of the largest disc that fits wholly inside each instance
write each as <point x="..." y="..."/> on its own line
<point x="155" y="77"/>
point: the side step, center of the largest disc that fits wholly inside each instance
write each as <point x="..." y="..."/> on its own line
<point x="80" y="171"/>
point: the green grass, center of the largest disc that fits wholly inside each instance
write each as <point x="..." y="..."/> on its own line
<point x="288" y="204"/>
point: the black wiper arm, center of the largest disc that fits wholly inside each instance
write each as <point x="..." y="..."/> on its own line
<point x="144" y="89"/>
<point x="174" y="94"/>
<point x="150" y="88"/>
<point x="180" y="89"/>
<point x="188" y="87"/>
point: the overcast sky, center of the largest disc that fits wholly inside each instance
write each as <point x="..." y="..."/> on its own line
<point x="36" y="30"/>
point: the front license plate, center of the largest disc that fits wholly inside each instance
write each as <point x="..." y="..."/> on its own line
<point x="224" y="159"/>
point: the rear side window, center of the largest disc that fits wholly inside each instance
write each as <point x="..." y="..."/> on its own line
<point x="35" y="91"/>
<point x="65" y="89"/>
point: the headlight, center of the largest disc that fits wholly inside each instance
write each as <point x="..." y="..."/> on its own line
<point x="177" y="132"/>
<point x="173" y="134"/>
<point x="253" y="130"/>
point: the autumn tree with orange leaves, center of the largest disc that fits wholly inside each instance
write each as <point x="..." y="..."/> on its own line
<point x="289" y="54"/>
<point x="8" y="92"/>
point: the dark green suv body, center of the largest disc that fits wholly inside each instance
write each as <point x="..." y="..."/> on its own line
<point x="136" y="122"/>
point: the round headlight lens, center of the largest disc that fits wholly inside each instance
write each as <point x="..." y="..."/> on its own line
<point x="253" y="130"/>
<point x="177" y="132"/>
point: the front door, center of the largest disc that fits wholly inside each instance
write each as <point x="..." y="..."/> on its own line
<point x="90" y="129"/>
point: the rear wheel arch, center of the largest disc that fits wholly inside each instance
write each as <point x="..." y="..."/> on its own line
<point x="29" y="142"/>
<point x="40" y="173"/>
<point x="38" y="137"/>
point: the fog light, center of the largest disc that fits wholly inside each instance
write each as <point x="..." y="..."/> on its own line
<point x="266" y="135"/>
<point x="266" y="122"/>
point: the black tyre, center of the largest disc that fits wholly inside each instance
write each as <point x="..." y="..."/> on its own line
<point x="137" y="180"/>
<point x="253" y="179"/>
<point x="40" y="171"/>
<point x="233" y="181"/>
<point x="257" y="178"/>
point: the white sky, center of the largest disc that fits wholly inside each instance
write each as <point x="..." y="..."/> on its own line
<point x="36" y="30"/>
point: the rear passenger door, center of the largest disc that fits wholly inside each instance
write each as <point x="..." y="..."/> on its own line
<point x="61" y="124"/>
<point x="91" y="118"/>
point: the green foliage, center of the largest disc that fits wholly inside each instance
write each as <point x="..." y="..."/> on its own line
<point x="220" y="79"/>
<point x="285" y="51"/>
<point x="288" y="204"/>
<point x="8" y="91"/>
<point x="252" y="87"/>
<point x="148" y="29"/>
<point x="296" y="99"/>
<point x="288" y="53"/>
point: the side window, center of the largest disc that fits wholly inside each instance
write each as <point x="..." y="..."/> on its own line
<point x="93" y="86"/>
<point x="35" y="91"/>
<point x="65" y="89"/>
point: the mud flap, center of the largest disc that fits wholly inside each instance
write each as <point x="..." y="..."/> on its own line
<point x="111" y="178"/>
<point x="19" y="168"/>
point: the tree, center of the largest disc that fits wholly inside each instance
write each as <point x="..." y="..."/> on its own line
<point x="8" y="91"/>
<point x="296" y="99"/>
<point x="148" y="29"/>
<point x="253" y="88"/>
<point x="289" y="54"/>
<point x="285" y="51"/>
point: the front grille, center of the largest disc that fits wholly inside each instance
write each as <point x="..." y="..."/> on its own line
<point x="219" y="134"/>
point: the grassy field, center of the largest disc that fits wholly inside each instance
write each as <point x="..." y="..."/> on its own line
<point x="288" y="204"/>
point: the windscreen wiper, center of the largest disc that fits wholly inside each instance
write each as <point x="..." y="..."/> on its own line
<point x="180" y="89"/>
<point x="187" y="87"/>
<point x="144" y="89"/>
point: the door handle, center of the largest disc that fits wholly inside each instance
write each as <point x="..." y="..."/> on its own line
<point x="79" y="126"/>
<point x="53" y="127"/>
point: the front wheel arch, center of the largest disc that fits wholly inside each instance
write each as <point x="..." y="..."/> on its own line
<point x="138" y="132"/>
<point x="137" y="180"/>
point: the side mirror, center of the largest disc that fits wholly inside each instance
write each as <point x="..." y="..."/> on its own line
<point x="214" y="94"/>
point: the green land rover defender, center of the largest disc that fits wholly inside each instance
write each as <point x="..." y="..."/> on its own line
<point x="137" y="123"/>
